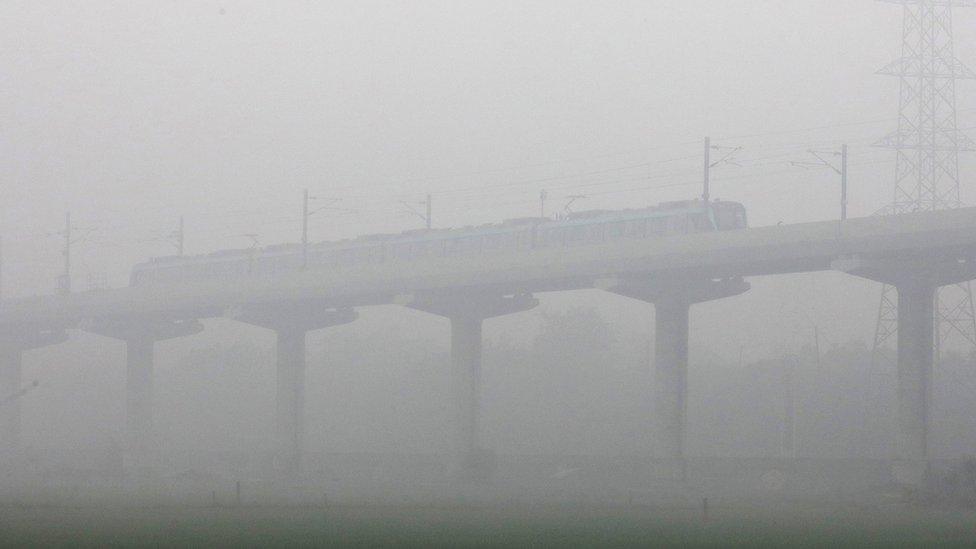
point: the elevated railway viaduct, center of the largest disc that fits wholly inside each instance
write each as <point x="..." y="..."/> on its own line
<point x="915" y="252"/>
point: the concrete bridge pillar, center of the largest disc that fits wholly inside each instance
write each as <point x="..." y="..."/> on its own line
<point x="10" y="385"/>
<point x="291" y="322"/>
<point x="140" y="336"/>
<point x="916" y="352"/>
<point x="290" y="399"/>
<point x="466" y="343"/>
<point x="467" y="312"/>
<point x="139" y="439"/>
<point x="671" y="374"/>
<point x="917" y="278"/>
<point x="672" y="299"/>
<point x="12" y="388"/>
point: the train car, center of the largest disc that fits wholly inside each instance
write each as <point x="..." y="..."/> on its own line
<point x="521" y="234"/>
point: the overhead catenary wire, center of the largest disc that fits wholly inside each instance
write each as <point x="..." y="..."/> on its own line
<point x="759" y="161"/>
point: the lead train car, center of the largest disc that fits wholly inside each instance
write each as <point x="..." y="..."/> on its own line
<point x="575" y="229"/>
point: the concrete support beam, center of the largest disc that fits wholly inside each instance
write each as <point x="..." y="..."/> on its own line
<point x="290" y="400"/>
<point x="671" y="375"/>
<point x="672" y="301"/>
<point x="917" y="279"/>
<point x="467" y="312"/>
<point x="916" y="352"/>
<point x="918" y="269"/>
<point x="466" y="341"/>
<point x="139" y="439"/>
<point x="140" y="336"/>
<point x="291" y="322"/>
<point x="12" y="388"/>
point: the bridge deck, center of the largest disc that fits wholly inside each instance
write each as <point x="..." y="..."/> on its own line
<point x="749" y="252"/>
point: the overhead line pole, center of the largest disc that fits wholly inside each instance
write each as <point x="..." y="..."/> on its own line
<point x="179" y="238"/>
<point x="843" y="182"/>
<point x="66" y="277"/>
<point x="841" y="171"/>
<point x="428" y="208"/>
<point x="308" y="213"/>
<point x="305" y="229"/>
<point x="708" y="169"/>
<point x="728" y="158"/>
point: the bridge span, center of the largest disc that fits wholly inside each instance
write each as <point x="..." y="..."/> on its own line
<point x="916" y="253"/>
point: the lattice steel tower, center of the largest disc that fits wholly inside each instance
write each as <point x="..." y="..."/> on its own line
<point x="927" y="145"/>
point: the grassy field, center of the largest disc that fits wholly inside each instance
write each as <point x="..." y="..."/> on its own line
<point x="487" y="526"/>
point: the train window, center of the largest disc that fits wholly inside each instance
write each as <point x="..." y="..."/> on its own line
<point x="492" y="241"/>
<point x="454" y="246"/>
<point x="701" y="222"/>
<point x="556" y="236"/>
<point x="658" y="226"/>
<point x="499" y="241"/>
<point x="598" y="232"/>
<point x="740" y="218"/>
<point x="378" y="253"/>
<point x="261" y="265"/>
<point x="575" y="234"/>
<point x="678" y="224"/>
<point x="326" y="258"/>
<point x="561" y="235"/>
<point x="350" y="256"/>
<point x="512" y="240"/>
<point x="544" y="238"/>
<point x="373" y="254"/>
<point x="725" y="219"/>
<point x="173" y="274"/>
<point x="346" y="256"/>
<point x="401" y="251"/>
<point x="289" y="262"/>
<point x="472" y="245"/>
<point x="635" y="228"/>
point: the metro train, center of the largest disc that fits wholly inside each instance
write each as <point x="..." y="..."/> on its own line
<point x="573" y="229"/>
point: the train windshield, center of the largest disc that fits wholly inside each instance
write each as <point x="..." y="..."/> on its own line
<point x="730" y="216"/>
<point x="740" y="217"/>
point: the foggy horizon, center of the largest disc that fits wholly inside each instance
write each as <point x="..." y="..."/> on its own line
<point x="586" y="324"/>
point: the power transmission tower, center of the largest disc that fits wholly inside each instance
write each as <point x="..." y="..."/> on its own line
<point x="927" y="145"/>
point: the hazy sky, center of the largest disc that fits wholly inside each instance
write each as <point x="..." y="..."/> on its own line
<point x="131" y="113"/>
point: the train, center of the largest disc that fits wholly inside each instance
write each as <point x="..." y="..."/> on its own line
<point x="521" y="234"/>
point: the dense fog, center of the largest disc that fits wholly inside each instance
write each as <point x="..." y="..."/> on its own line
<point x="380" y="253"/>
